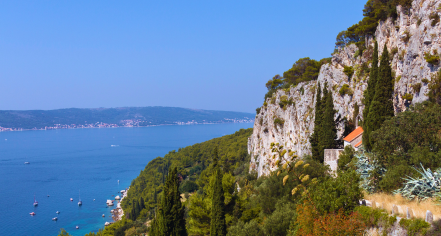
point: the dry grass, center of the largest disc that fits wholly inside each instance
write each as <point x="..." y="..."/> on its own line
<point x="386" y="201"/>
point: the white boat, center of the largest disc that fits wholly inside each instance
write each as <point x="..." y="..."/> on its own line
<point x="77" y="227"/>
<point x="27" y="162"/>
<point x="79" y="202"/>
<point x="35" y="201"/>
<point x="32" y="213"/>
<point x="55" y="219"/>
<point x="71" y="199"/>
<point x="57" y="212"/>
<point x="103" y="215"/>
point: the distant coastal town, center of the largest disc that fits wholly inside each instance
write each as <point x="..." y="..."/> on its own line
<point x="128" y="123"/>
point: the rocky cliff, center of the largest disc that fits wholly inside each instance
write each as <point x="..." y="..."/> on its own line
<point x="408" y="39"/>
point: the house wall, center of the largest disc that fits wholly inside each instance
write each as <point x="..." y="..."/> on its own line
<point x="356" y="140"/>
<point x="331" y="157"/>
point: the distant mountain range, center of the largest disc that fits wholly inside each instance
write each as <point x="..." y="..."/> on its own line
<point x="115" y="117"/>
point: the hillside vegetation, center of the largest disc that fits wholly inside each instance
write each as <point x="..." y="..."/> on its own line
<point x="221" y="194"/>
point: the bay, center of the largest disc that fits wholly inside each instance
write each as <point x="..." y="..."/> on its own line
<point x="64" y="162"/>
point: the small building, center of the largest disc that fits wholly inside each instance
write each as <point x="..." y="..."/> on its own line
<point x="331" y="155"/>
<point x="354" y="138"/>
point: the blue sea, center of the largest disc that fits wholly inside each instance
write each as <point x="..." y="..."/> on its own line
<point x="86" y="163"/>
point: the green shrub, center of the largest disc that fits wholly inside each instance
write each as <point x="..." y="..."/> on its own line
<point x="279" y="221"/>
<point x="246" y="229"/>
<point x="415" y="227"/>
<point x="417" y="87"/>
<point x="376" y="217"/>
<point x="285" y="102"/>
<point x="435" y="88"/>
<point x="397" y="79"/>
<point x="408" y="96"/>
<point x="432" y="58"/>
<point x="346" y="90"/>
<point x="258" y="110"/>
<point x="394" y="51"/>
<point x="435" y="229"/>
<point x="434" y="17"/>
<point x="345" y="158"/>
<point x="279" y="121"/>
<point x="188" y="186"/>
<point x="407" y="36"/>
<point x="419" y="22"/>
<point x="333" y="194"/>
<point x="349" y="71"/>
<point x="273" y="100"/>
<point x="402" y="54"/>
<point x="302" y="90"/>
<point x="426" y="81"/>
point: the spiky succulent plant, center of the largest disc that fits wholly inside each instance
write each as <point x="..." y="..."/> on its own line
<point x="427" y="186"/>
<point x="365" y="166"/>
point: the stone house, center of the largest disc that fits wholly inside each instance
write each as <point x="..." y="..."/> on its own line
<point x="354" y="138"/>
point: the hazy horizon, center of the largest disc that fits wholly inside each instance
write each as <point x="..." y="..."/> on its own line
<point x="207" y="55"/>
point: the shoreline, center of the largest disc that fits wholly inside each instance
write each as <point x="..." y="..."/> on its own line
<point x="118" y="212"/>
<point x="112" y="127"/>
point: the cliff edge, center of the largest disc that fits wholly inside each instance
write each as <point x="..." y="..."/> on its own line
<point x="409" y="38"/>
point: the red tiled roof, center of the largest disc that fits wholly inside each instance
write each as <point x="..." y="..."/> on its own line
<point x="353" y="134"/>
<point x="358" y="144"/>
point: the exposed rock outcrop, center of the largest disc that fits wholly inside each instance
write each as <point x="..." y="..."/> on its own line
<point x="408" y="38"/>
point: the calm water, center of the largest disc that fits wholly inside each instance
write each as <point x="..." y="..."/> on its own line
<point x="62" y="162"/>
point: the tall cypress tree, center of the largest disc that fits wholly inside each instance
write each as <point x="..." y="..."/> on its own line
<point x="170" y="218"/>
<point x="218" y="224"/>
<point x="328" y="137"/>
<point x="369" y="94"/>
<point x="314" y="139"/>
<point x="382" y="107"/>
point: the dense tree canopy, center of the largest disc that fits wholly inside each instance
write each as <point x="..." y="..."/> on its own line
<point x="409" y="139"/>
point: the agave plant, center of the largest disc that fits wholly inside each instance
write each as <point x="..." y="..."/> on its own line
<point x="427" y="186"/>
<point x="365" y="167"/>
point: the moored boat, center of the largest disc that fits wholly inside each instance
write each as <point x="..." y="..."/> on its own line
<point x="55" y="219"/>
<point x="79" y="202"/>
<point x="32" y="213"/>
<point x="35" y="201"/>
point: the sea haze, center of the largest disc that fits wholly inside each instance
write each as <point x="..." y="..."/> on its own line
<point x="62" y="162"/>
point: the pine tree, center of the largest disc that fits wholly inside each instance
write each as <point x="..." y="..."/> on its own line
<point x="382" y="107"/>
<point x="314" y="139"/>
<point x="369" y="94"/>
<point x="328" y="135"/>
<point x="218" y="225"/>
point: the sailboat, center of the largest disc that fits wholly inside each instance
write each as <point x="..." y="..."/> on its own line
<point x="35" y="201"/>
<point x="79" y="202"/>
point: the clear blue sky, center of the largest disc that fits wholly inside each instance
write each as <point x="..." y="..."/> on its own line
<point x="213" y="55"/>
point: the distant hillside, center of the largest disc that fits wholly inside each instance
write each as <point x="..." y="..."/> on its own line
<point x="115" y="117"/>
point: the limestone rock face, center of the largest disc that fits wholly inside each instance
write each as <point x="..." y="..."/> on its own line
<point x="408" y="39"/>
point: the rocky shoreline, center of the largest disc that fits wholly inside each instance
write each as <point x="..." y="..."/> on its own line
<point x="118" y="213"/>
